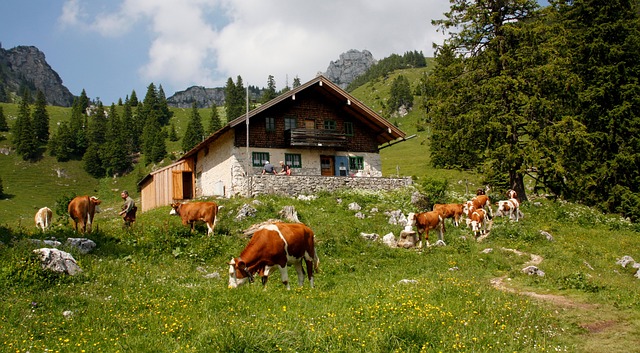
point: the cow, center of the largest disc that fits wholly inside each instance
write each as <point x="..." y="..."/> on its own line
<point x="480" y="201"/>
<point x="477" y="219"/>
<point x="426" y="221"/>
<point x="43" y="218"/>
<point x="450" y="210"/>
<point x="82" y="210"/>
<point x="509" y="208"/>
<point x="196" y="211"/>
<point x="276" y="244"/>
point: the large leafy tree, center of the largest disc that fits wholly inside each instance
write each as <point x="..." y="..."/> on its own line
<point x="485" y="94"/>
<point x="195" y="131"/>
<point x="604" y="39"/>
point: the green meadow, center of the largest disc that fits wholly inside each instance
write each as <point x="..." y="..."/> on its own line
<point x="157" y="287"/>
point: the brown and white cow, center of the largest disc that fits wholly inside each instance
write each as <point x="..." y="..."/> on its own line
<point x="477" y="222"/>
<point x="43" y="218"/>
<point x="509" y="208"/>
<point x="82" y="210"/>
<point x="277" y="244"/>
<point x="479" y="201"/>
<point x="450" y="210"/>
<point x="197" y="211"/>
<point x="426" y="221"/>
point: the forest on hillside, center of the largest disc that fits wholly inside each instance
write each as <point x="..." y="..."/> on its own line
<point x="549" y="93"/>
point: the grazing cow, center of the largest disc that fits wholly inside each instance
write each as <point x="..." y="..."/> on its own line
<point x="196" y="211"/>
<point x="425" y="222"/>
<point x="277" y="244"/>
<point x="477" y="221"/>
<point x="450" y="210"/>
<point x="509" y="208"/>
<point x="43" y="218"/>
<point x="82" y="210"/>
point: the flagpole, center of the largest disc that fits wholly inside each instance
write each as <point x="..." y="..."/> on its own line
<point x="247" y="151"/>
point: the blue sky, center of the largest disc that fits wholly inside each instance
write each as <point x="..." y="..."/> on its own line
<point x="111" y="47"/>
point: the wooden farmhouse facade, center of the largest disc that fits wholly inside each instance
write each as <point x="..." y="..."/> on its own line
<point x="325" y="135"/>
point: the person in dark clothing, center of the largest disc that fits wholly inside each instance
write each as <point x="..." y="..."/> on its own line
<point x="129" y="209"/>
<point x="269" y="169"/>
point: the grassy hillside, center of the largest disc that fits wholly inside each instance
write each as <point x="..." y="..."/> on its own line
<point x="29" y="186"/>
<point x="158" y="288"/>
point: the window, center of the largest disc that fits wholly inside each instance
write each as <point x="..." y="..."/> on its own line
<point x="293" y="160"/>
<point x="329" y="124"/>
<point x="356" y="163"/>
<point x="348" y="128"/>
<point x="259" y="158"/>
<point x="270" y="123"/>
<point x="289" y="123"/>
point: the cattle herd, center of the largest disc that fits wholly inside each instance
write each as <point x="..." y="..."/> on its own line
<point x="478" y="213"/>
<point x="282" y="244"/>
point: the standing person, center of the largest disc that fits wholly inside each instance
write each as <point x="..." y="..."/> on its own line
<point x="128" y="209"/>
<point x="286" y="170"/>
<point x="269" y="169"/>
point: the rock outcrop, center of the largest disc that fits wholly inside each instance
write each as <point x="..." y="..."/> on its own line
<point x="204" y="97"/>
<point x="351" y="64"/>
<point x="26" y="67"/>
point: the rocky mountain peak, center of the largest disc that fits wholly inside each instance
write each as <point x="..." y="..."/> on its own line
<point x="350" y="65"/>
<point x="26" y="66"/>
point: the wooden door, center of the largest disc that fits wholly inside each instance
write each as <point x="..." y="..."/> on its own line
<point x="326" y="165"/>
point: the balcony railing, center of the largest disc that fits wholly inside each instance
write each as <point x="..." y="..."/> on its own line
<point x="315" y="138"/>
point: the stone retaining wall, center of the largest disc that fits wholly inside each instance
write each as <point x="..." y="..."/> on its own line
<point x="306" y="185"/>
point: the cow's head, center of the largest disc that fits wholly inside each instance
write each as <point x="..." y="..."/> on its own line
<point x="174" y="208"/>
<point x="95" y="201"/>
<point x="238" y="273"/>
<point x="512" y="194"/>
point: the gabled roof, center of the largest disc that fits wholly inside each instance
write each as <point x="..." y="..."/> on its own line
<point x="384" y="130"/>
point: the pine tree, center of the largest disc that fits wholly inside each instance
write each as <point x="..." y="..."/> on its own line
<point x="98" y="125"/>
<point x="296" y="82"/>
<point x="133" y="99"/>
<point x="270" y="92"/>
<point x="78" y="127"/>
<point x="195" y="131"/>
<point x="61" y="144"/>
<point x="4" y="126"/>
<point x="163" y="107"/>
<point x="83" y="102"/>
<point x="115" y="154"/>
<point x="400" y="95"/>
<point x="40" y="119"/>
<point x="214" y="121"/>
<point x="91" y="161"/>
<point x="234" y="99"/>
<point x="173" y="135"/>
<point x="24" y="138"/>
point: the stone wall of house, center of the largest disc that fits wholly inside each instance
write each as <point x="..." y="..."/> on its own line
<point x="307" y="185"/>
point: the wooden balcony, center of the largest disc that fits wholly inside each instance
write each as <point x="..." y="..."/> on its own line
<point x="315" y="138"/>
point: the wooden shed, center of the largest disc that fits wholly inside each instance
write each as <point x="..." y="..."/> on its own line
<point x="163" y="186"/>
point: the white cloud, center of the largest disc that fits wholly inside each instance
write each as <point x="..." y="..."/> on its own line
<point x="203" y="42"/>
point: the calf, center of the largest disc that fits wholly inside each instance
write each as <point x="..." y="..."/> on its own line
<point x="277" y="244"/>
<point x="477" y="221"/>
<point x="450" y="210"/>
<point x="43" y="218"/>
<point x="82" y="210"/>
<point x="481" y="201"/>
<point x="196" y="211"/>
<point x="425" y="222"/>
